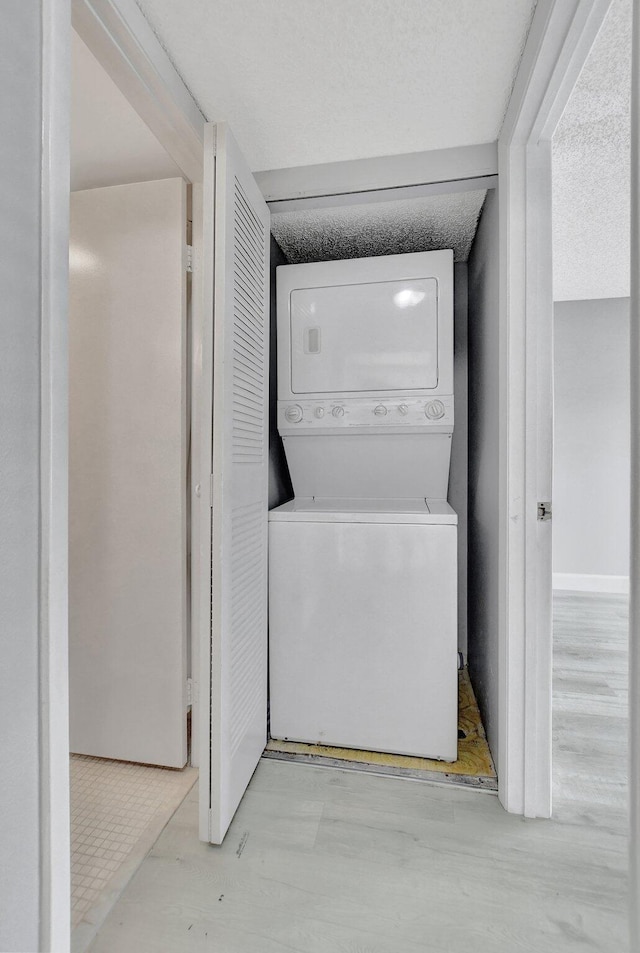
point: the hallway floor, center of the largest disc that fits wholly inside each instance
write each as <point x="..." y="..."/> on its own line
<point x="590" y="700"/>
<point x="321" y="860"/>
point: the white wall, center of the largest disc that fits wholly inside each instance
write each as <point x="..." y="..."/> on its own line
<point x="591" y="444"/>
<point x="19" y="486"/>
<point x="127" y="472"/>
<point x="483" y="467"/>
<point x="110" y="143"/>
<point x="33" y="855"/>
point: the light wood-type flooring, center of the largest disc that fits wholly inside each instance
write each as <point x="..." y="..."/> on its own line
<point x="590" y="717"/>
<point x="321" y="860"/>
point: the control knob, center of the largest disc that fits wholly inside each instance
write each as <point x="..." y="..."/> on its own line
<point x="319" y="412"/>
<point x="434" y="410"/>
<point x="403" y="409"/>
<point x="293" y="413"/>
<point x="338" y="411"/>
<point x="380" y="410"/>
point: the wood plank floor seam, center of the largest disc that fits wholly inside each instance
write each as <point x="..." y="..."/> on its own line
<point x="342" y="862"/>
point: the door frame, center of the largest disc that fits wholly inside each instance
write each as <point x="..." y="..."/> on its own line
<point x="559" y="41"/>
<point x="634" y="568"/>
<point x="120" y="38"/>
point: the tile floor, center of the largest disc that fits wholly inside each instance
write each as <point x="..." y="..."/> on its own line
<point x="118" y="810"/>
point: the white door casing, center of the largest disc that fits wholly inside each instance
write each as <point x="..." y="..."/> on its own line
<point x="634" y="575"/>
<point x="236" y="286"/>
<point x="558" y="44"/>
<point x="124" y="43"/>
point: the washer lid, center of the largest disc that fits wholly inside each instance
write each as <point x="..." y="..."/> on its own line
<point x="314" y="510"/>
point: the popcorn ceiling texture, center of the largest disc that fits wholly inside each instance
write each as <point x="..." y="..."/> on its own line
<point x="591" y="155"/>
<point x="386" y="228"/>
<point x="312" y="81"/>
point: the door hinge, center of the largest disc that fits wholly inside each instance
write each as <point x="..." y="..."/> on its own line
<point x="190" y="690"/>
<point x="188" y="261"/>
<point x="544" y="511"/>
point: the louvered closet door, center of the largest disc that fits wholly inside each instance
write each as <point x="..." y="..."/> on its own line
<point x="240" y="482"/>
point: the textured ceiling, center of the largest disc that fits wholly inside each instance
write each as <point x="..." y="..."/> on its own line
<point x="312" y="81"/>
<point x="591" y="194"/>
<point x="110" y="144"/>
<point x="386" y="228"/>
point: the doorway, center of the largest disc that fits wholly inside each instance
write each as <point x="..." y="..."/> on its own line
<point x="591" y="466"/>
<point x="513" y="686"/>
<point x="388" y="227"/>
<point x="128" y="500"/>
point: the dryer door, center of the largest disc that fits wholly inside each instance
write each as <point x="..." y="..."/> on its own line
<point x="354" y="338"/>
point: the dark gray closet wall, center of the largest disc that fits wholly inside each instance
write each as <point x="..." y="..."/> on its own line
<point x="483" y="467"/>
<point x="280" y="489"/>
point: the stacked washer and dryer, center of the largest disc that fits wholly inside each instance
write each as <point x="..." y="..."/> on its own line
<point x="363" y="562"/>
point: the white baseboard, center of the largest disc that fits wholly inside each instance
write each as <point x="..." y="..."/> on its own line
<point x="587" y="582"/>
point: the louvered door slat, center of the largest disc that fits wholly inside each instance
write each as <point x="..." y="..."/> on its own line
<point x="238" y="702"/>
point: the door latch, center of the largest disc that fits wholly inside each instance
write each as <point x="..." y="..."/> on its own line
<point x="544" y="511"/>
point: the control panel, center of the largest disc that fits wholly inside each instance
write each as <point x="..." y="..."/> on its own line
<point x="367" y="415"/>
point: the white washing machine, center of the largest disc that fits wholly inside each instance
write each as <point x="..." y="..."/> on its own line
<point x="363" y="563"/>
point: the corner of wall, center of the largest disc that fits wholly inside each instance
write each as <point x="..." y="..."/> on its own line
<point x="280" y="486"/>
<point x="459" y="476"/>
<point x="483" y="536"/>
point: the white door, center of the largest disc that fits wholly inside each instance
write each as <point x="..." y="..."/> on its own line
<point x="127" y="473"/>
<point x="236" y="245"/>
